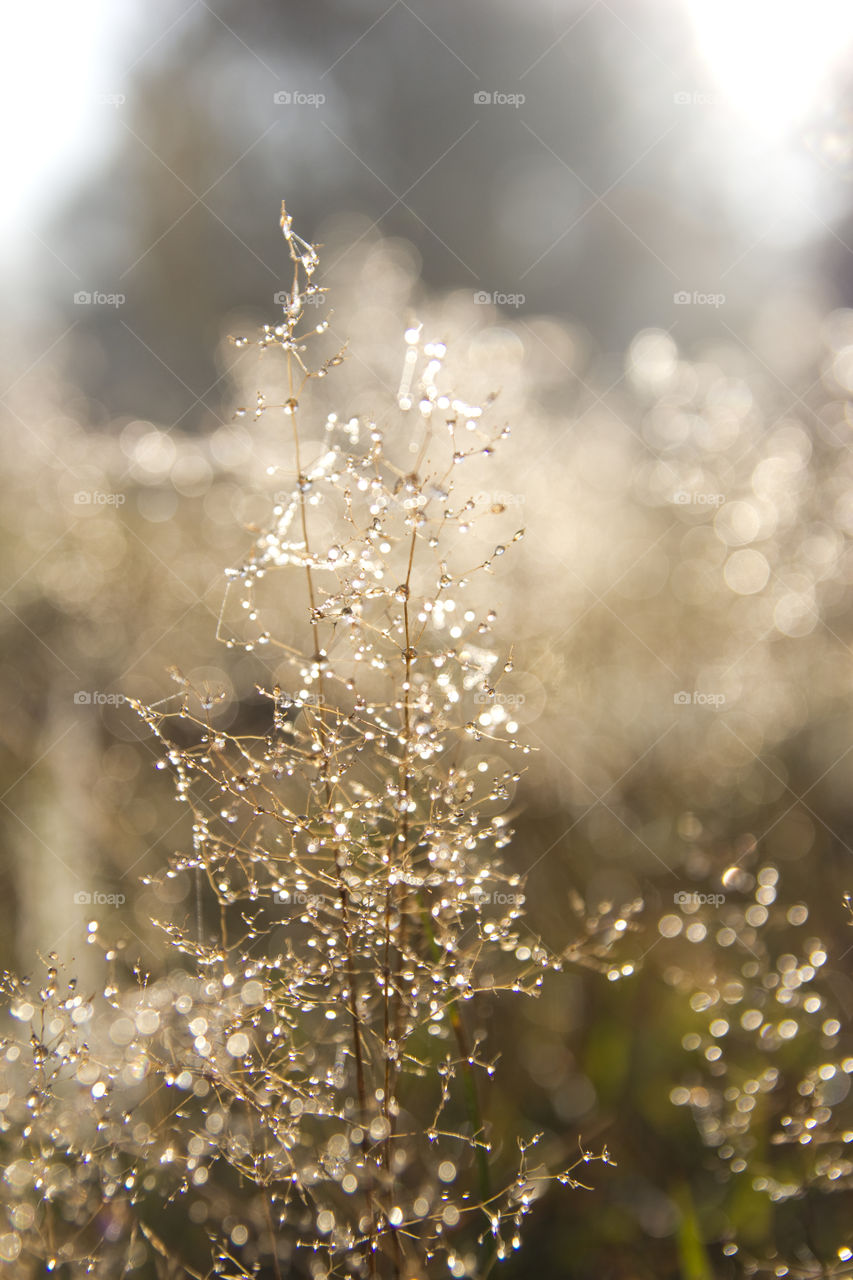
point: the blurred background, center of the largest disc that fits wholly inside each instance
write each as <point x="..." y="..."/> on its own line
<point x="634" y="221"/>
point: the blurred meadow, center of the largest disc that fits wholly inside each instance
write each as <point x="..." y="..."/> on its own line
<point x="629" y="221"/>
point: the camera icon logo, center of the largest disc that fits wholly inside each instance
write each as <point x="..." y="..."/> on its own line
<point x="682" y="99"/>
<point x="282" y="98"/>
<point x="682" y="698"/>
<point x="482" y="297"/>
<point x="82" y="898"/>
<point x="82" y="298"/>
<point x="82" y="698"/>
<point x="482" y="97"/>
<point x="682" y="298"/>
<point x="82" y="499"/>
<point x="682" y="497"/>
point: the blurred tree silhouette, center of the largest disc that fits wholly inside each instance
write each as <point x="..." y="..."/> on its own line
<point x="596" y="201"/>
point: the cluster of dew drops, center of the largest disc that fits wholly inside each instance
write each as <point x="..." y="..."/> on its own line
<point x="351" y="904"/>
<point x="772" y="1057"/>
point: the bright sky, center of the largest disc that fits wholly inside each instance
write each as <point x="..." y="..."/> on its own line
<point x="62" y="71"/>
<point x="772" y="59"/>
<point x="55" y="60"/>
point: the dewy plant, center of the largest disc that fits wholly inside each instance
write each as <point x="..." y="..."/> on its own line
<point x="311" y="1082"/>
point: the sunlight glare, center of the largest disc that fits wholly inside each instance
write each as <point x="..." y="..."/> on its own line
<point x="773" y="59"/>
<point x="51" y="63"/>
